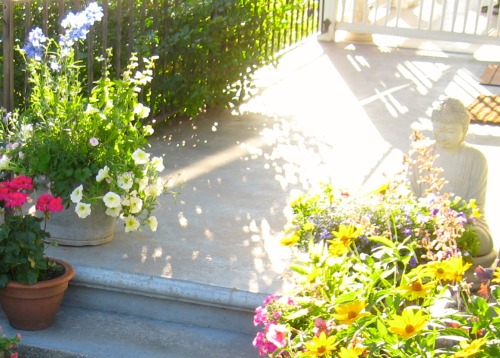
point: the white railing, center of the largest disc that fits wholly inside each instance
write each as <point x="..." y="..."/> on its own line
<point x="472" y="21"/>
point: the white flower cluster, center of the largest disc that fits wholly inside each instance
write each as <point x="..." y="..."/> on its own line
<point x="132" y="197"/>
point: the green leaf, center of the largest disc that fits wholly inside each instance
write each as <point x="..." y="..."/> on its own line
<point x="300" y="313"/>
<point x="382" y="240"/>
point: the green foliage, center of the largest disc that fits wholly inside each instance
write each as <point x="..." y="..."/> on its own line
<point x="22" y="249"/>
<point x="87" y="147"/>
<point x="208" y="50"/>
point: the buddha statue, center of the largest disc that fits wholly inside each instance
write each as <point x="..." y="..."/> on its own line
<point x="465" y="170"/>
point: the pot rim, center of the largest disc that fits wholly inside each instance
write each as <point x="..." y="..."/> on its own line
<point x="68" y="274"/>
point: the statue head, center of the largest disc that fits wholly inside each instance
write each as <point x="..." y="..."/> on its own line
<point x="450" y="121"/>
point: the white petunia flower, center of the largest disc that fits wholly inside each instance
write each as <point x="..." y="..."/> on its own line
<point x="157" y="163"/>
<point x="111" y="200"/>
<point x="141" y="110"/>
<point x="77" y="194"/>
<point x="153" y="223"/>
<point x="131" y="224"/>
<point x="4" y="162"/>
<point x="82" y="210"/>
<point x="140" y="157"/>
<point x="114" y="212"/>
<point x="143" y="183"/>
<point x="102" y="174"/>
<point x="155" y="189"/>
<point x="125" y="180"/>
<point x="135" y="205"/>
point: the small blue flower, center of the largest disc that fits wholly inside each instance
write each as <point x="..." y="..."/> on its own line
<point x="77" y="25"/>
<point x="94" y="13"/>
<point x="34" y="46"/>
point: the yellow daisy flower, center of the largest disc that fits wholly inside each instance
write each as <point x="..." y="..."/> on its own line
<point x="291" y="239"/>
<point x="347" y="234"/>
<point x="337" y="248"/>
<point x="496" y="279"/>
<point x="455" y="269"/>
<point x="408" y="324"/>
<point x="350" y="312"/>
<point x="417" y="289"/>
<point x="437" y="270"/>
<point x="382" y="189"/>
<point x="470" y="349"/>
<point x="353" y="352"/>
<point x="320" y="346"/>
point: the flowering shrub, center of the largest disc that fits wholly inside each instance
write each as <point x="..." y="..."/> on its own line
<point x="89" y="149"/>
<point x="22" y="245"/>
<point x="382" y="275"/>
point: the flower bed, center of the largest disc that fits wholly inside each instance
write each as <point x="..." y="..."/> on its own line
<point x="382" y="274"/>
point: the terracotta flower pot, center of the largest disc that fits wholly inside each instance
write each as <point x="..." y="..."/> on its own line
<point x="33" y="308"/>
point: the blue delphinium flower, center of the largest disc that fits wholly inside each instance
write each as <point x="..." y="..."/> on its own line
<point x="94" y="13"/>
<point x="34" y="46"/>
<point x="78" y="25"/>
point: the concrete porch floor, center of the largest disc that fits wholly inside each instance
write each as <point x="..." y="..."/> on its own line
<point x="341" y="112"/>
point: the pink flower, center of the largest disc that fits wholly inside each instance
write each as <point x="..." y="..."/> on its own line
<point x="4" y="192"/>
<point x="321" y="326"/>
<point x="270" y="299"/>
<point x="21" y="182"/>
<point x="93" y="141"/>
<point x="47" y="202"/>
<point x="16" y="199"/>
<point x="260" y="316"/>
<point x="263" y="345"/>
<point x="277" y="334"/>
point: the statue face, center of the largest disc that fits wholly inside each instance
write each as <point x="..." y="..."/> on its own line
<point x="448" y="135"/>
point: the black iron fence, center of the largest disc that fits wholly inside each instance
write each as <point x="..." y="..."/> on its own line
<point x="186" y="35"/>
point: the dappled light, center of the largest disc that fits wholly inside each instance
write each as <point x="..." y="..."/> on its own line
<point x="339" y="113"/>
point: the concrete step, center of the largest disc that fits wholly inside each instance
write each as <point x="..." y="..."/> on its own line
<point x="111" y="314"/>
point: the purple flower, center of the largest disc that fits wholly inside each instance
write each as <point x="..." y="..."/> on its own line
<point x="483" y="274"/>
<point x="413" y="262"/>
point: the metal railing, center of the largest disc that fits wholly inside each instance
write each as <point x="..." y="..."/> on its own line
<point x="470" y="21"/>
<point x="128" y="27"/>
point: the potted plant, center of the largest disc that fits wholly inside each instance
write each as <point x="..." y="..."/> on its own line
<point x="382" y="274"/>
<point x="32" y="285"/>
<point x="88" y="147"/>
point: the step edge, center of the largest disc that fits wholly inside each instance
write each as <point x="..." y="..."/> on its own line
<point x="168" y="288"/>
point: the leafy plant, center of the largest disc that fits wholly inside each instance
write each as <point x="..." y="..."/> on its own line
<point x="88" y="149"/>
<point x="207" y="51"/>
<point x="22" y="237"/>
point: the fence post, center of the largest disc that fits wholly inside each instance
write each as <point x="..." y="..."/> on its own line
<point x="8" y="55"/>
